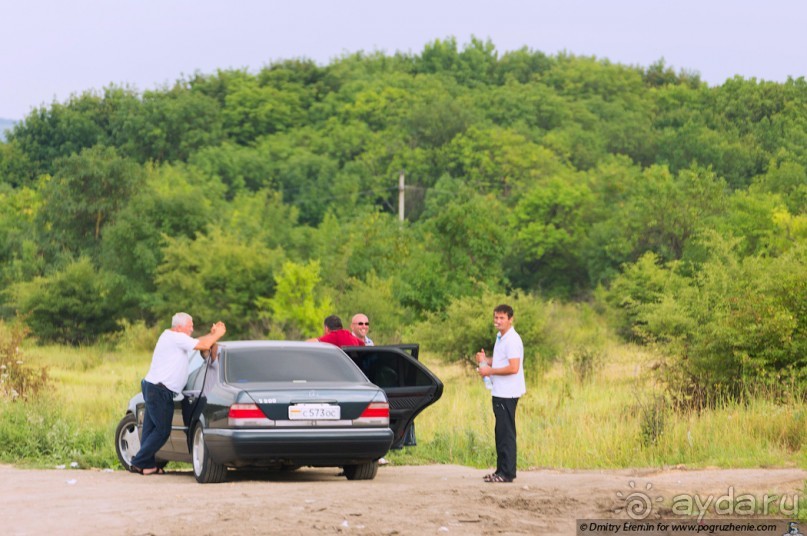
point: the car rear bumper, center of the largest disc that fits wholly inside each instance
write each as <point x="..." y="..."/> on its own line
<point x="264" y="447"/>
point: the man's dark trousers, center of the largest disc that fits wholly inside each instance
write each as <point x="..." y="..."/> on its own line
<point x="159" y="402"/>
<point x="504" y="409"/>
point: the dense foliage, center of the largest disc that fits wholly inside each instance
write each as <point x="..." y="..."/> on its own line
<point x="268" y="198"/>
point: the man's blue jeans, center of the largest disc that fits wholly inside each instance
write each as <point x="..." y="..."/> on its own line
<point x="156" y="423"/>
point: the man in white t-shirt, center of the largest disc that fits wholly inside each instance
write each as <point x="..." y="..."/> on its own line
<point x="506" y="372"/>
<point x="166" y="377"/>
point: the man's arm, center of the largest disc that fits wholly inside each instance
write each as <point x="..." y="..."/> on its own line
<point x="207" y="341"/>
<point x="512" y="368"/>
<point x="212" y="353"/>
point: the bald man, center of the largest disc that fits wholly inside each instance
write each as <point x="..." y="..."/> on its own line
<point x="359" y="326"/>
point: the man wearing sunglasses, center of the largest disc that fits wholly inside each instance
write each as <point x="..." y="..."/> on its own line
<point x="359" y="326"/>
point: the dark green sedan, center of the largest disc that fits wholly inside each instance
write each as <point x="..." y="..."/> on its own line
<point x="284" y="405"/>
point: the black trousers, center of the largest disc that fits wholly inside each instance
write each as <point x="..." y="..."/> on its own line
<point x="504" y="409"/>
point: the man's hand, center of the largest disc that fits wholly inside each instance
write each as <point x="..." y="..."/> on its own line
<point x="480" y="356"/>
<point x="218" y="329"/>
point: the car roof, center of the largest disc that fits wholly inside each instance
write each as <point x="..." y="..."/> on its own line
<point x="234" y="345"/>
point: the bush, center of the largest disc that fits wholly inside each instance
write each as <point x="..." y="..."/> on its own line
<point x="136" y="336"/>
<point x="17" y="381"/>
<point x="578" y="335"/>
<point x="737" y="323"/>
<point x="75" y="305"/>
<point x="466" y="326"/>
<point x="653" y="419"/>
<point x="375" y="298"/>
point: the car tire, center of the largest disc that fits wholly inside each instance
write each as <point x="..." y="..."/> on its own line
<point x="205" y="469"/>
<point x="361" y="471"/>
<point x="127" y="440"/>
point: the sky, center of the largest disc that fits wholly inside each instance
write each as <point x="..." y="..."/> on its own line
<point x="50" y="49"/>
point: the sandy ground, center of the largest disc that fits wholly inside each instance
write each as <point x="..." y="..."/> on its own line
<point x="435" y="499"/>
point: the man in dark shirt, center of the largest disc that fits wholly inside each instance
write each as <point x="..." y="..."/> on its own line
<point x="335" y="334"/>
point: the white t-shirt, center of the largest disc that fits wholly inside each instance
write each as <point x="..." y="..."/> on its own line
<point x="169" y="364"/>
<point x="367" y="340"/>
<point x="508" y="347"/>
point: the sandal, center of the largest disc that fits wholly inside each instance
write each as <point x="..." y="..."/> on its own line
<point x="141" y="471"/>
<point x="496" y="478"/>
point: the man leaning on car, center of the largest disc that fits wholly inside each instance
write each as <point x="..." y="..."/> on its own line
<point x="166" y="377"/>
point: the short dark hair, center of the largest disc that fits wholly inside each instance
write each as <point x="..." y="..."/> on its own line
<point x="504" y="308"/>
<point x="333" y="322"/>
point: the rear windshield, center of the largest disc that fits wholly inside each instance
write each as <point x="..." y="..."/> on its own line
<point x="290" y="364"/>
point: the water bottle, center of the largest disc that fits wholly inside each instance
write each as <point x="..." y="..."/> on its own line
<point x="486" y="379"/>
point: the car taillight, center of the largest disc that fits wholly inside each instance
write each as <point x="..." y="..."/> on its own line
<point x="375" y="414"/>
<point x="247" y="415"/>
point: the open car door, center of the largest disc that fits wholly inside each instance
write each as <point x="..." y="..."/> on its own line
<point x="409" y="385"/>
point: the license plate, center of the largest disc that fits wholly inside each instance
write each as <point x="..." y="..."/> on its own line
<point x="314" y="412"/>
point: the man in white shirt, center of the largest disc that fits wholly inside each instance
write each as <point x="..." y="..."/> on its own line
<point x="506" y="372"/>
<point x="166" y="377"/>
<point x="359" y="326"/>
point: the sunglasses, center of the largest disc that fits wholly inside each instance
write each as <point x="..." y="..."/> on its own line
<point x="363" y="323"/>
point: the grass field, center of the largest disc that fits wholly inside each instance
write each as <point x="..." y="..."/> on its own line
<point x="615" y="419"/>
<point x="612" y="419"/>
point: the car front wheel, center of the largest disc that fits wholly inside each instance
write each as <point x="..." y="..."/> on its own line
<point x="205" y="470"/>
<point x="361" y="471"/>
<point x="127" y="440"/>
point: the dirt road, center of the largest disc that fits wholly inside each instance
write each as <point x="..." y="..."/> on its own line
<point x="435" y="499"/>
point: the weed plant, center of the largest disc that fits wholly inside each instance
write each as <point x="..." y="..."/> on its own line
<point x="73" y="419"/>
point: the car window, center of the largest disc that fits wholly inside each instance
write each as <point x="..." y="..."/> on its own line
<point x="290" y="364"/>
<point x="209" y="378"/>
<point x="194" y="368"/>
<point x="389" y="369"/>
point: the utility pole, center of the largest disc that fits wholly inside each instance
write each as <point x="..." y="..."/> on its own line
<point x="401" y="189"/>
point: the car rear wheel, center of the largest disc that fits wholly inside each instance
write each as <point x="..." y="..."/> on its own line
<point x="127" y="440"/>
<point x="205" y="470"/>
<point x="361" y="471"/>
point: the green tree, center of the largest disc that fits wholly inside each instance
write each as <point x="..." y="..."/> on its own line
<point x="661" y="213"/>
<point x="214" y="277"/>
<point x="171" y="203"/>
<point x="788" y="179"/>
<point x="16" y="168"/>
<point x="73" y="306"/>
<point x="456" y="250"/>
<point x="297" y="308"/>
<point x="737" y="321"/>
<point x="251" y="110"/>
<point x="499" y="161"/>
<point x="169" y="125"/>
<point x="375" y="297"/>
<point x="57" y="131"/>
<point x="84" y="195"/>
<point x="549" y="227"/>
<point x="20" y="257"/>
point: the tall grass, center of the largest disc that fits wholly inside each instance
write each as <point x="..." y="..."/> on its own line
<point x="613" y="415"/>
<point x="615" y="418"/>
<point x="73" y="419"/>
